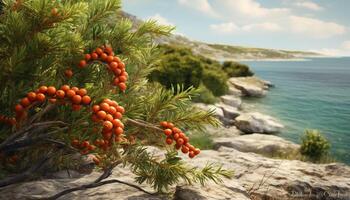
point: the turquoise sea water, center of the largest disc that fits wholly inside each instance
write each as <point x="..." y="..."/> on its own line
<point x="309" y="94"/>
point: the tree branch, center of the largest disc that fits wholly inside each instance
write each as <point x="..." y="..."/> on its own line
<point x="98" y="182"/>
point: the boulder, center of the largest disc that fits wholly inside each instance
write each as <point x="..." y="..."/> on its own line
<point x="229" y="111"/>
<point x="234" y="91"/>
<point x="257" y="123"/>
<point x="231" y="100"/>
<point x="268" y="178"/>
<point x="227" y="132"/>
<point x="218" y="111"/>
<point x="250" y="86"/>
<point x="269" y="145"/>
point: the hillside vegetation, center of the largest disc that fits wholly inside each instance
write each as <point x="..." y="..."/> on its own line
<point x="180" y="66"/>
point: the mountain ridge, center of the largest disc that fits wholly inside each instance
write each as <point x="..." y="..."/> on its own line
<point x="226" y="51"/>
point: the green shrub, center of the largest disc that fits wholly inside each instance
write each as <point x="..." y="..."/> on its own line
<point x="215" y="81"/>
<point x="204" y="96"/>
<point x="314" y="145"/>
<point x="234" y="69"/>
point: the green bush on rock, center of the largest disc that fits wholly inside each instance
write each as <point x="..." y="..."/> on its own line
<point x="179" y="66"/>
<point x="314" y="146"/>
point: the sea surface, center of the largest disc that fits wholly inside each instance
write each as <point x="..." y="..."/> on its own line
<point x="312" y="94"/>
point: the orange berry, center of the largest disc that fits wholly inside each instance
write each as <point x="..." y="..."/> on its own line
<point x="65" y="88"/>
<point x="122" y="78"/>
<point x="182" y="135"/>
<point x="122" y="86"/>
<point x="109" y="117"/>
<point x="19" y="108"/>
<point x="170" y="125"/>
<point x="180" y="141"/>
<point x="117" y="71"/>
<point x="169" y="141"/>
<point x="113" y="103"/>
<point x="75" y="89"/>
<point x="101" y="114"/>
<point x="40" y="97"/>
<point x="116" y="59"/>
<point x="82" y="92"/>
<point x="186" y="139"/>
<point x="87" y="57"/>
<point x="104" y="106"/>
<point x="51" y="90"/>
<point x="184" y="149"/>
<point x="197" y="151"/>
<point x="25" y="102"/>
<point x="118" y="115"/>
<point x="109" y="49"/>
<point x="60" y="94"/>
<point x="91" y="147"/>
<point x="118" y="131"/>
<point x="117" y="123"/>
<point x="113" y="65"/>
<point x="68" y="73"/>
<point x="99" y="51"/>
<point x="116" y="81"/>
<point x="82" y="64"/>
<point x="191" y="154"/>
<point x="176" y="130"/>
<point x="124" y="73"/>
<point x="94" y="56"/>
<point x="120" y="109"/>
<point x="31" y="96"/>
<point x="167" y="132"/>
<point x="104" y="56"/>
<point x="109" y="59"/>
<point x="107" y="125"/>
<point x="86" y="100"/>
<point x="43" y="89"/>
<point x="76" y="99"/>
<point x="54" y="12"/>
<point x="85" y="144"/>
<point x="163" y="124"/>
<point x="112" y="110"/>
<point x="121" y="65"/>
<point x="70" y="93"/>
<point x="176" y="136"/>
<point x="95" y="108"/>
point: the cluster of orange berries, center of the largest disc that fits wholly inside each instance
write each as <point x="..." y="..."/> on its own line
<point x="182" y="141"/>
<point x="77" y="96"/>
<point x="109" y="113"/>
<point x="84" y="146"/>
<point x="7" y="120"/>
<point x="114" y="64"/>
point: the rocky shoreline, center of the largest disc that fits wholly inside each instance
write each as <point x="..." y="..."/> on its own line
<point x="244" y="144"/>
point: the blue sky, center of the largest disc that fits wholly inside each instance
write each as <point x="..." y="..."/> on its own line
<point x="317" y="25"/>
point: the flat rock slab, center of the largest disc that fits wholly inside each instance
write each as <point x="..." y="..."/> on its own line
<point x="257" y="123"/>
<point x="250" y="86"/>
<point x="268" y="145"/>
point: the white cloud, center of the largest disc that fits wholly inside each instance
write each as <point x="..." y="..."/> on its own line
<point x="224" y="28"/>
<point x="200" y="5"/>
<point x="266" y="26"/>
<point x="252" y="8"/>
<point x="231" y="27"/>
<point x="346" y="45"/>
<point x="309" y="5"/>
<point x="161" y="20"/>
<point x="315" y="28"/>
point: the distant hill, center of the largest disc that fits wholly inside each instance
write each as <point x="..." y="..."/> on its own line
<point x="228" y="52"/>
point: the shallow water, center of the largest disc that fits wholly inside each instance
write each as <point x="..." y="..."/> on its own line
<point x="313" y="94"/>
